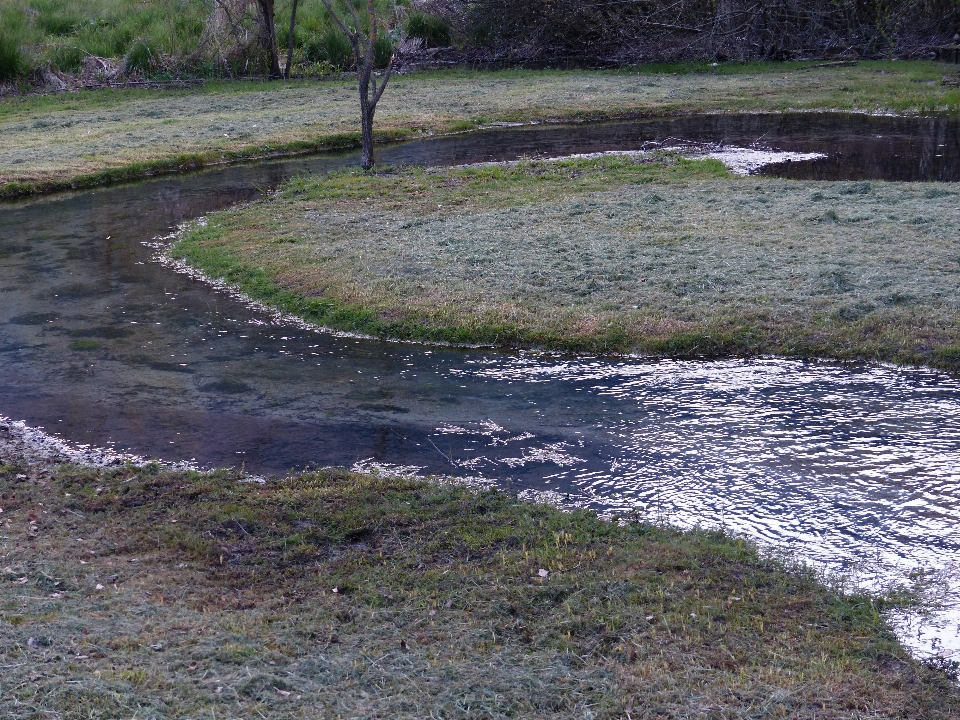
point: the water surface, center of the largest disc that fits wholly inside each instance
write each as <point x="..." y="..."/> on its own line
<point x="854" y="467"/>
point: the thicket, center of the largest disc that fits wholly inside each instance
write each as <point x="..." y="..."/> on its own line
<point x="665" y="30"/>
<point x="173" y="38"/>
<point x="170" y="38"/>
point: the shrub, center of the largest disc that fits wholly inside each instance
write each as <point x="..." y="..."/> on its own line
<point x="429" y="28"/>
<point x="141" y="58"/>
<point x="330" y="46"/>
<point x="14" y="35"/>
<point x="382" y="51"/>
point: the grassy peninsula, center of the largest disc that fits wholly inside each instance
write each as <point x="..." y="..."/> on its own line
<point x="140" y="592"/>
<point x="655" y="254"/>
<point x="86" y="138"/>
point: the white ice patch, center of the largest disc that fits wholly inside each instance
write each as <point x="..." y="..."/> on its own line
<point x="36" y="445"/>
<point x="746" y="161"/>
<point x="739" y="160"/>
<point x="162" y="245"/>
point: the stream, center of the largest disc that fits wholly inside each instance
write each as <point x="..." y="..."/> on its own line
<point x="854" y="468"/>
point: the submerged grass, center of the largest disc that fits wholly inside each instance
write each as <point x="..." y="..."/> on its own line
<point x="658" y="255"/>
<point x="139" y="592"/>
<point x="83" y="139"/>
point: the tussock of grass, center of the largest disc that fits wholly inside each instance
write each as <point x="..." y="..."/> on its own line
<point x="662" y="256"/>
<point x="82" y="139"/>
<point x="160" y="594"/>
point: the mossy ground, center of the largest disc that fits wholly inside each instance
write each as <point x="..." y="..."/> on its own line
<point x="657" y="255"/>
<point x="83" y="139"/>
<point x="137" y="592"/>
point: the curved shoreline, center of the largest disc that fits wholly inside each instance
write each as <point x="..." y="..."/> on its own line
<point x="298" y="579"/>
<point x="180" y="164"/>
<point x="816" y="330"/>
<point x="572" y="102"/>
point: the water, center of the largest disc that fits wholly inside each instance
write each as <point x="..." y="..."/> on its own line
<point x="855" y="468"/>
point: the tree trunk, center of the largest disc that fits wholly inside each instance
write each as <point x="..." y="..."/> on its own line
<point x="366" y="135"/>
<point x="268" y="35"/>
<point x="293" y="22"/>
<point x="364" y="43"/>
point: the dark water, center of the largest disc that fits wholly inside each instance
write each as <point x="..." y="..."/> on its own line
<point x="858" y="147"/>
<point x="855" y="467"/>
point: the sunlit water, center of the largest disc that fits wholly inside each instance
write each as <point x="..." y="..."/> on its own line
<point x="853" y="468"/>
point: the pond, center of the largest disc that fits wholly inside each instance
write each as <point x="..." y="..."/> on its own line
<point x="856" y="468"/>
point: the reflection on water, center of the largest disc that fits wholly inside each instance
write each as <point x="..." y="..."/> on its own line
<point x="856" y="469"/>
<point x="858" y="147"/>
<point x="852" y="467"/>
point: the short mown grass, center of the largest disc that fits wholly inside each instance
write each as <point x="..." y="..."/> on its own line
<point x="657" y="255"/>
<point x="88" y="138"/>
<point x="138" y="592"/>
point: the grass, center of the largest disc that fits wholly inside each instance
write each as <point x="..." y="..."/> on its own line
<point x="658" y="255"/>
<point x="84" y="139"/>
<point x="134" y="591"/>
<point x="155" y="38"/>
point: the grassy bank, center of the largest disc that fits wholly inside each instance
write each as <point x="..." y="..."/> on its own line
<point x="136" y="592"/>
<point x="657" y="255"/>
<point x="82" y="139"/>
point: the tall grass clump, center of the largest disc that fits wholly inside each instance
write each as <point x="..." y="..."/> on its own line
<point x="318" y="40"/>
<point x="14" y="34"/>
<point x="146" y="36"/>
<point x="429" y="28"/>
<point x="157" y="38"/>
<point x="330" y="46"/>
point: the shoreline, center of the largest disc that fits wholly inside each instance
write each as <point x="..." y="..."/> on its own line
<point x="199" y="162"/>
<point x="820" y="330"/>
<point x="427" y="564"/>
<point x="810" y="92"/>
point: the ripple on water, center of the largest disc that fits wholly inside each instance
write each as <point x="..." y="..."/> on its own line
<point x="855" y="469"/>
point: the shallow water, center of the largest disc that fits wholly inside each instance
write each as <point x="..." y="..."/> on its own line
<point x="856" y="468"/>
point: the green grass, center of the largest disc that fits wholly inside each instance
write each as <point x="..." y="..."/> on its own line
<point x="660" y="256"/>
<point x="330" y="594"/>
<point x="78" y="140"/>
<point x="157" y="38"/>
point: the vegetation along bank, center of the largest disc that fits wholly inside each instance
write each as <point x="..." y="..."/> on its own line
<point x="66" y="42"/>
<point x="140" y="592"/>
<point x="657" y="255"/>
<point x="81" y="139"/>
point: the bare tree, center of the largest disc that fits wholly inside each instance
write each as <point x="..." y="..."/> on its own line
<point x="364" y="42"/>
